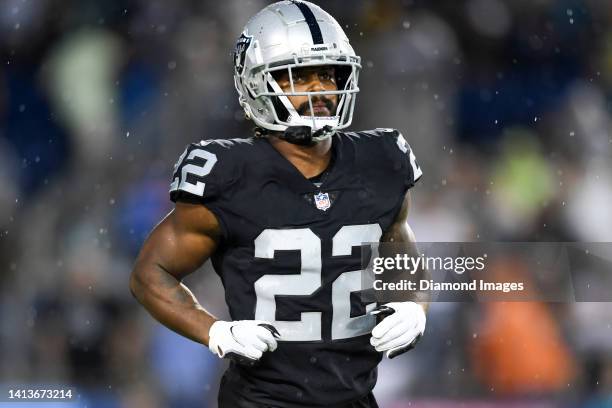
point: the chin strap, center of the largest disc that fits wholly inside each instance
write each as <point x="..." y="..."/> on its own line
<point x="303" y="135"/>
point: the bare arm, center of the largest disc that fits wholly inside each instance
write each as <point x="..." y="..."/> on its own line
<point x="400" y="232"/>
<point x="178" y="246"/>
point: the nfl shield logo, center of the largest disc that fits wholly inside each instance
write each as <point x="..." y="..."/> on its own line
<point x="322" y="201"/>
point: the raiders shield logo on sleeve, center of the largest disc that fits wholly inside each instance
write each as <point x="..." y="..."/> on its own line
<point x="242" y="45"/>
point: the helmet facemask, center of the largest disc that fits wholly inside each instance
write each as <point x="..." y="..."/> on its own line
<point x="280" y="112"/>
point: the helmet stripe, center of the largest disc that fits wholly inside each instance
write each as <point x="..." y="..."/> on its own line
<point x="315" y="30"/>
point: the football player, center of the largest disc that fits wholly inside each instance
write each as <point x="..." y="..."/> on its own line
<point x="283" y="216"/>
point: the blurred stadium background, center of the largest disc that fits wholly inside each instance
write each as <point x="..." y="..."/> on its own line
<point x="506" y="104"/>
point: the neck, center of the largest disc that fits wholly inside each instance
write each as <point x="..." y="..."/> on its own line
<point x="309" y="160"/>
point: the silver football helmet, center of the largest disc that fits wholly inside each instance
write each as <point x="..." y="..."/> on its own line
<point x="285" y="36"/>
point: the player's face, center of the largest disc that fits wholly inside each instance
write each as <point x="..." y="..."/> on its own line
<point x="311" y="79"/>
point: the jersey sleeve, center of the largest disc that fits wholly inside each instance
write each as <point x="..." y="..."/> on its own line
<point x="198" y="174"/>
<point x="400" y="152"/>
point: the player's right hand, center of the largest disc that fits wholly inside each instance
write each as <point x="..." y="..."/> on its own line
<point x="243" y="341"/>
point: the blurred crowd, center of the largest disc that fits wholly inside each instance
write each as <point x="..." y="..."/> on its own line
<point x="506" y="104"/>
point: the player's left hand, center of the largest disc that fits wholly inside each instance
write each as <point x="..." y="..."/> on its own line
<point x="400" y="330"/>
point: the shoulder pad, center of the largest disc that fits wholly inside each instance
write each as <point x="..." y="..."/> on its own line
<point x="391" y="145"/>
<point x="404" y="147"/>
<point x="205" y="169"/>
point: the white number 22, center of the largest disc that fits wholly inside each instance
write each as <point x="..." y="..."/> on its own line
<point x="308" y="328"/>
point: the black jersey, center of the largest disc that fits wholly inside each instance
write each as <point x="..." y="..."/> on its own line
<point x="291" y="254"/>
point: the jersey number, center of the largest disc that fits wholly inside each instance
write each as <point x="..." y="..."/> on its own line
<point x="403" y="146"/>
<point x="181" y="183"/>
<point x="308" y="328"/>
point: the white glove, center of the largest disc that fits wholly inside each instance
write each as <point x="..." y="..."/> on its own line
<point x="244" y="341"/>
<point x="400" y="330"/>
